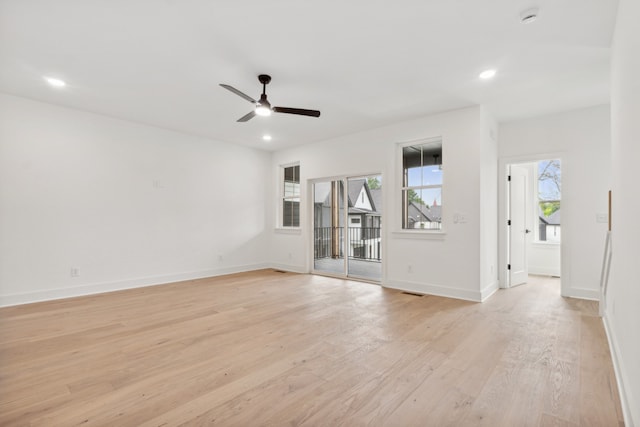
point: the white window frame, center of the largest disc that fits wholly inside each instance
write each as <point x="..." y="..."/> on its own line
<point x="536" y="201"/>
<point x="403" y="188"/>
<point x="282" y="197"/>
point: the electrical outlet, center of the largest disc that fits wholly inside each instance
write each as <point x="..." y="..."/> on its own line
<point x="220" y="258"/>
<point x="290" y="255"/>
<point x="602" y="218"/>
<point x="74" y="272"/>
<point x="409" y="268"/>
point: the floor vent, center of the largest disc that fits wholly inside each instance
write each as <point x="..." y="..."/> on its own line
<point x="279" y="271"/>
<point x="413" y="294"/>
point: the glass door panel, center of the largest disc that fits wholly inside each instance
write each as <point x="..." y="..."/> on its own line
<point x="328" y="227"/>
<point x="364" y="227"/>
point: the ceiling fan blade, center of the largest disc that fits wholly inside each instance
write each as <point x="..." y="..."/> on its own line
<point x="300" y="111"/>
<point x="237" y="92"/>
<point x="247" y="117"/>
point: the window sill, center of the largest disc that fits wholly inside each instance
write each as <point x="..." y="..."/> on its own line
<point x="419" y="234"/>
<point x="546" y="244"/>
<point x="288" y="230"/>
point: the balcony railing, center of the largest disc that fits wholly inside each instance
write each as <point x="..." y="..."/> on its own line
<point x="362" y="242"/>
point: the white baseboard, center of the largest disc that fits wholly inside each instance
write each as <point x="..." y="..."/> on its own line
<point x="543" y="271"/>
<point x="429" y="289"/>
<point x="98" y="288"/>
<point x="489" y="290"/>
<point x="582" y="293"/>
<point x="289" y="267"/>
<point x="619" y="370"/>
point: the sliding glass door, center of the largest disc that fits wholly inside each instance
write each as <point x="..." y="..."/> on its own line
<point x="347" y="225"/>
<point x="328" y="227"/>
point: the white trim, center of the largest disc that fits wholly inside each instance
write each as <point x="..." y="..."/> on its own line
<point x="289" y="267"/>
<point x="438" y="290"/>
<point x="503" y="235"/>
<point x="287" y="230"/>
<point x="489" y="290"/>
<point x="543" y="271"/>
<point x="582" y="293"/>
<point x="281" y="197"/>
<point x="99" y="288"/>
<point x="289" y="164"/>
<point x="542" y="244"/>
<point x="536" y="206"/>
<point x="426" y="140"/>
<point x="619" y="371"/>
<point x="344" y="179"/>
<point x="423" y="234"/>
<point x="399" y="175"/>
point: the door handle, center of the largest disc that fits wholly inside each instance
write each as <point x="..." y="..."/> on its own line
<point x="527" y="231"/>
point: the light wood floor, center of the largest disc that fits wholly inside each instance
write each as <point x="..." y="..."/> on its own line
<point x="274" y="349"/>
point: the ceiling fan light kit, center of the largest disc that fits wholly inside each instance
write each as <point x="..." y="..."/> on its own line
<point x="263" y="110"/>
<point x="263" y="107"/>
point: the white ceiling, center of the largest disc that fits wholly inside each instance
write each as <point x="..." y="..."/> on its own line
<point x="363" y="63"/>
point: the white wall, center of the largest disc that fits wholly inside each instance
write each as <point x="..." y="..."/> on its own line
<point x="449" y="265"/>
<point x="128" y="205"/>
<point x="622" y="315"/>
<point x="488" y="199"/>
<point x="544" y="258"/>
<point x="581" y="139"/>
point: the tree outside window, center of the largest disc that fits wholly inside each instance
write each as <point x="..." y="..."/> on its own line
<point x="549" y="200"/>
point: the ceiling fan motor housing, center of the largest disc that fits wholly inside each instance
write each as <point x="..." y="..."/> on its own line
<point x="264" y="79"/>
<point x="263" y="101"/>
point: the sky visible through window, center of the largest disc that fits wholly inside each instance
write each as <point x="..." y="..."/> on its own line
<point x="426" y="175"/>
<point x="549" y="180"/>
<point x="549" y="192"/>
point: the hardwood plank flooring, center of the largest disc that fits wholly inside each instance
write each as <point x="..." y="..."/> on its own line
<point x="273" y="349"/>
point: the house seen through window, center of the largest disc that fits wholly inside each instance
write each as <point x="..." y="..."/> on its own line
<point x="422" y="185"/>
<point x="291" y="196"/>
<point x="549" y="198"/>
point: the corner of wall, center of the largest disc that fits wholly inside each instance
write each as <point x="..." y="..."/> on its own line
<point x="620" y="372"/>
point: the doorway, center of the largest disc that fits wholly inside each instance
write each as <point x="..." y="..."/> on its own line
<point x="533" y="223"/>
<point x="347" y="227"/>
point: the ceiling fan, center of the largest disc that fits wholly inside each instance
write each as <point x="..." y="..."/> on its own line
<point x="263" y="107"/>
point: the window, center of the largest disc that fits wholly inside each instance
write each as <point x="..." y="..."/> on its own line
<point x="422" y="185"/>
<point x="291" y="196"/>
<point x="549" y="197"/>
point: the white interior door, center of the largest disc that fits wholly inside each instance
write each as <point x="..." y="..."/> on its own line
<point x="518" y="228"/>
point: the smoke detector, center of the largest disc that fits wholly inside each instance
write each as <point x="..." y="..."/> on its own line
<point x="529" y="15"/>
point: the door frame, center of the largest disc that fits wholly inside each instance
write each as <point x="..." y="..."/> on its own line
<point x="310" y="247"/>
<point x="503" y="209"/>
<point x="513" y="221"/>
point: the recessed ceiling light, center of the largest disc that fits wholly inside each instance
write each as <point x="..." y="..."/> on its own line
<point x="529" y="15"/>
<point x="487" y="74"/>
<point x="266" y="137"/>
<point x="55" y="82"/>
